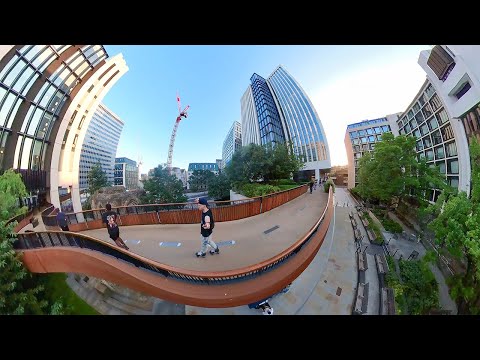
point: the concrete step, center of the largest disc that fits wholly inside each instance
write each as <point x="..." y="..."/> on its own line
<point x="128" y="300"/>
<point x="131" y="310"/>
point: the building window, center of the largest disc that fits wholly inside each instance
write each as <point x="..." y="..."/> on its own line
<point x="463" y="90"/>
<point x="441" y="167"/>
<point x="429" y="155"/>
<point x="427" y="111"/>
<point x="447" y="132"/>
<point x="440" y="62"/>
<point x="427" y="142"/>
<point x="432" y="124"/>
<point x="452" y="166"/>
<point x="439" y="152"/>
<point x="442" y="117"/>
<point x="436" y="137"/>
<point x="419" y="145"/>
<point x="453" y="181"/>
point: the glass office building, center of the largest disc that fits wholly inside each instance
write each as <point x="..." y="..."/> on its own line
<point x="126" y="173"/>
<point x="232" y="142"/>
<point x="278" y="110"/>
<point x="100" y="144"/>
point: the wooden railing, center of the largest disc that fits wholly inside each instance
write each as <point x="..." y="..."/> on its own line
<point x="22" y="220"/>
<point x="279" y="271"/>
<point x="176" y="213"/>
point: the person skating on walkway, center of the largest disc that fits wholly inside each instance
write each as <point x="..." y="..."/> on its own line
<point x="262" y="305"/>
<point x="110" y="218"/>
<point x="206" y="228"/>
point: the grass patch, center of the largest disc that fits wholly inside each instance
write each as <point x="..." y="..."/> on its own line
<point x="393" y="281"/>
<point x="388" y="224"/>
<point x="56" y="288"/>
<point x="374" y="227"/>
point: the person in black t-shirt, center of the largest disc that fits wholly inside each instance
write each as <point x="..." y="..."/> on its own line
<point x="206" y="228"/>
<point x="110" y="218"/>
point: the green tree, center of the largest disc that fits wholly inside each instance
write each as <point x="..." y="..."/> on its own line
<point x="11" y="189"/>
<point x="283" y="163"/>
<point x="457" y="231"/>
<point x="200" y="179"/>
<point x="219" y="187"/>
<point x="97" y="178"/>
<point x="248" y="164"/>
<point x="18" y="292"/>
<point x="162" y="188"/>
<point x="391" y="172"/>
<point x="253" y="163"/>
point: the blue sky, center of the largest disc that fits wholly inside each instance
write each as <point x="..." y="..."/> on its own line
<point x="346" y="84"/>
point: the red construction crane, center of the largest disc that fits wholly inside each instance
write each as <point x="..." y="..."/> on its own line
<point x="174" y="132"/>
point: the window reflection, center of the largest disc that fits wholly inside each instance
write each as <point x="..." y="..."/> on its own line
<point x="27" y="145"/>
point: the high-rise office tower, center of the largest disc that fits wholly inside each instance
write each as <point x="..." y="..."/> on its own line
<point x="277" y="110"/>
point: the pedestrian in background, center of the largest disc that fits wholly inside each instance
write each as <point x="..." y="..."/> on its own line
<point x="62" y="220"/>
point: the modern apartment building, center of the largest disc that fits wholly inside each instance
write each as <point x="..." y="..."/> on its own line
<point x="445" y="113"/>
<point x="277" y="110"/>
<point x="126" y="173"/>
<point x="454" y="72"/>
<point x="361" y="137"/>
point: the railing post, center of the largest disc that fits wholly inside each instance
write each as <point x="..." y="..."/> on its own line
<point x="261" y="203"/>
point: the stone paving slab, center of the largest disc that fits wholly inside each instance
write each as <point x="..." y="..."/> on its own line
<point x="314" y="292"/>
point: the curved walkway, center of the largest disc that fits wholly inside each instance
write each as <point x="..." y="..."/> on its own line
<point x="327" y="286"/>
<point x="242" y="242"/>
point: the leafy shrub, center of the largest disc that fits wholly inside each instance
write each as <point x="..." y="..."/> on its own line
<point x="327" y="185"/>
<point x="421" y="288"/>
<point x="287" y="187"/>
<point x="389" y="224"/>
<point x="286" y="182"/>
<point x="253" y="190"/>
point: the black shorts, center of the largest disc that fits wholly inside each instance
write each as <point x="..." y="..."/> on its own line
<point x="114" y="233"/>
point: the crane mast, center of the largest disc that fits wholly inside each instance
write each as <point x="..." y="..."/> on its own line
<point x="174" y="133"/>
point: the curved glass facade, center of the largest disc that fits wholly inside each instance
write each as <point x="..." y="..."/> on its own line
<point x="271" y="131"/>
<point x="41" y="106"/>
<point x="301" y="119"/>
<point x="250" y="131"/>
<point x="278" y="110"/>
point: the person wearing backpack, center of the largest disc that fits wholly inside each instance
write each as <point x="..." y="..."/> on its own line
<point x="206" y="229"/>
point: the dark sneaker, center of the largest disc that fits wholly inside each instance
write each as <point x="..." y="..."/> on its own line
<point x="216" y="251"/>
<point x="200" y="254"/>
